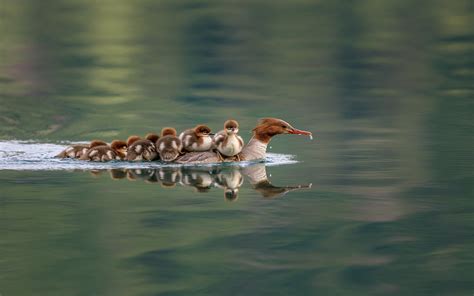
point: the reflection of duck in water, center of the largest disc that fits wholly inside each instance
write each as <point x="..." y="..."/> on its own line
<point x="140" y="174"/>
<point x="117" y="174"/>
<point x="230" y="181"/>
<point x="255" y="149"/>
<point x="257" y="176"/>
<point x="168" y="177"/>
<point x="203" y="179"/>
<point x="200" y="178"/>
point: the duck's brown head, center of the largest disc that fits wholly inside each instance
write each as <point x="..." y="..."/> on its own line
<point x="96" y="143"/>
<point x="231" y="126"/>
<point x="269" y="127"/>
<point x="202" y="130"/>
<point x="120" y="147"/>
<point x="132" y="139"/>
<point x="152" y="137"/>
<point x="168" y="131"/>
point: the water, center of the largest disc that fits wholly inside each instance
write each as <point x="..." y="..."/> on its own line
<point x="380" y="202"/>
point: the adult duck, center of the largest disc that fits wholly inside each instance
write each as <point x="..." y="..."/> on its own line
<point x="255" y="149"/>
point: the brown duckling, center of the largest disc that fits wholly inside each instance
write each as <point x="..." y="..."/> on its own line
<point x="197" y="139"/>
<point x="76" y="151"/>
<point x="168" y="145"/>
<point x="227" y="142"/>
<point x="116" y="151"/>
<point x="142" y="149"/>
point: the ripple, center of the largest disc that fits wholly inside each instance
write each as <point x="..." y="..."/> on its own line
<point x="32" y="155"/>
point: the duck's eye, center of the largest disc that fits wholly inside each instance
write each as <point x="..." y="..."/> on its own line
<point x="284" y="126"/>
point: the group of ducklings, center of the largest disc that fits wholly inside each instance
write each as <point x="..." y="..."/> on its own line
<point x="167" y="146"/>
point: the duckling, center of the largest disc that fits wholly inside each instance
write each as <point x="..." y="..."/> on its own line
<point x="76" y="151"/>
<point x="168" y="145"/>
<point x="142" y="149"/>
<point x="116" y="151"/>
<point x="227" y="142"/>
<point x="196" y="139"/>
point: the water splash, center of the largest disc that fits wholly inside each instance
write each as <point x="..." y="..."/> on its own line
<point x="32" y="155"/>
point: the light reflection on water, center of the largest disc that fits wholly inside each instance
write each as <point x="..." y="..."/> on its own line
<point x="386" y="88"/>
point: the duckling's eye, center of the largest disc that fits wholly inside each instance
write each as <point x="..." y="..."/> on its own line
<point x="284" y="126"/>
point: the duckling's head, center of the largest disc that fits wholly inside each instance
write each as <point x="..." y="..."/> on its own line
<point x="132" y="139"/>
<point x="152" y="137"/>
<point x="231" y="126"/>
<point x="202" y="130"/>
<point x="96" y="143"/>
<point x="168" y="131"/>
<point x="119" y="146"/>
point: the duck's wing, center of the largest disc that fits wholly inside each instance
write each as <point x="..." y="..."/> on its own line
<point x="198" y="157"/>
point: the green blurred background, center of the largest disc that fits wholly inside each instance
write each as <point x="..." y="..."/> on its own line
<point x="385" y="86"/>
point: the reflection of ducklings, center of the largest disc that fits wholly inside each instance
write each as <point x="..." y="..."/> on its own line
<point x="230" y="180"/>
<point x="168" y="177"/>
<point x="95" y="173"/>
<point x="139" y="174"/>
<point x="116" y="151"/>
<point x="76" y="151"/>
<point x="196" y="139"/>
<point x="142" y="149"/>
<point x="228" y="143"/>
<point x="169" y="145"/>
<point x="117" y="174"/>
<point x="202" y="181"/>
<point x="257" y="176"/>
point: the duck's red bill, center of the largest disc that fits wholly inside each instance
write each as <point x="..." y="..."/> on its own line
<point x="300" y="132"/>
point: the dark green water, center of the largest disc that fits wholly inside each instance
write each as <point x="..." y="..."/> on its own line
<point x="385" y="86"/>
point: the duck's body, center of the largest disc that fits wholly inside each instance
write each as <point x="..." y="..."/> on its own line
<point x="116" y="151"/>
<point x="142" y="149"/>
<point x="196" y="139"/>
<point x="255" y="149"/>
<point x="227" y="141"/>
<point x="169" y="145"/>
<point x="76" y="151"/>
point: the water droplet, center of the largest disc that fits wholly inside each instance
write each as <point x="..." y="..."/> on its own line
<point x="311" y="137"/>
<point x="271" y="147"/>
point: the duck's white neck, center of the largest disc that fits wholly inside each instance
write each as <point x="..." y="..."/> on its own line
<point x="255" y="149"/>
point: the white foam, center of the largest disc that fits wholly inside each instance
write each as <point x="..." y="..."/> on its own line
<point x="32" y="155"/>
